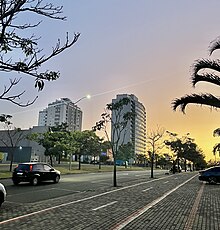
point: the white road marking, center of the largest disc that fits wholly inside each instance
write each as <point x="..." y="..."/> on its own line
<point x="139" y="212"/>
<point x="166" y="182"/>
<point x="97" y="181"/>
<point x="103" y="206"/>
<point x="147" y="189"/>
<point x="40" y="190"/>
<point x="68" y="190"/>
<point x="123" y="174"/>
<point x="78" y="201"/>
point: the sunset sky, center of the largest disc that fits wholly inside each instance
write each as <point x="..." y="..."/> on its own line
<point x="141" y="47"/>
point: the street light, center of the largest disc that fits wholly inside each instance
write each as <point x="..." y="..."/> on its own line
<point x="87" y="96"/>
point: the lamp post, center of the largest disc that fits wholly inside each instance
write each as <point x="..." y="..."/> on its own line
<point x="75" y="119"/>
<point x="87" y="96"/>
<point x="75" y="107"/>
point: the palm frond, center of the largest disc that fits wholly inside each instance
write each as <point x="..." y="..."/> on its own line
<point x="207" y="77"/>
<point x="214" y="45"/>
<point x="216" y="148"/>
<point x="216" y="132"/>
<point x="202" y="99"/>
<point x="202" y="64"/>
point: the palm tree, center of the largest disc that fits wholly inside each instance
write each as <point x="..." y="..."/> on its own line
<point x="200" y="74"/>
<point x="216" y="148"/>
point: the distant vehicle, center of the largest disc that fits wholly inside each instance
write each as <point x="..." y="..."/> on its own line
<point x="34" y="172"/>
<point x="2" y="194"/>
<point x="94" y="162"/>
<point x="120" y="162"/>
<point x="176" y="168"/>
<point x="211" y="175"/>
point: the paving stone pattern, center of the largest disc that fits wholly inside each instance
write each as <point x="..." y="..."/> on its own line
<point x="78" y="212"/>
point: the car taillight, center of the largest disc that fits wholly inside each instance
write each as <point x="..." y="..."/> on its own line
<point x="31" y="167"/>
<point x="15" y="167"/>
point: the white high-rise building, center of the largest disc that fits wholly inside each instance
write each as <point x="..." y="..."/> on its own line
<point x="135" y="132"/>
<point x="61" y="111"/>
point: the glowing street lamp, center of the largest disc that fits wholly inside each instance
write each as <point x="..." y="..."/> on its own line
<point x="87" y="96"/>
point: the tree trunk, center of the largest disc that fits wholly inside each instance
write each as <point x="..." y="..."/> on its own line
<point x="59" y="158"/>
<point x="51" y="160"/>
<point x="174" y="167"/>
<point x="114" y="174"/>
<point x="12" y="158"/>
<point x="185" y="165"/>
<point x="152" y="166"/>
<point x="79" y="162"/>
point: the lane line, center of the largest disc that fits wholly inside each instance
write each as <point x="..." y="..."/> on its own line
<point x="40" y="190"/>
<point x="67" y="190"/>
<point x="97" y="181"/>
<point x="166" y="182"/>
<point x="77" y="201"/>
<point x="147" y="189"/>
<point x="192" y="215"/>
<point x="139" y="212"/>
<point x="103" y="206"/>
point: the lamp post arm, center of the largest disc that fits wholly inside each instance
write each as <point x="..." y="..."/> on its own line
<point x="88" y="97"/>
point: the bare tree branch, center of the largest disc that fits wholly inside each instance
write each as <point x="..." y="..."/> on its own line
<point x="30" y="55"/>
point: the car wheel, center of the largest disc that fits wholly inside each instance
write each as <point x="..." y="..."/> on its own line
<point x="1" y="199"/>
<point x="212" y="180"/>
<point x="34" y="181"/>
<point x="56" y="179"/>
<point x="16" y="182"/>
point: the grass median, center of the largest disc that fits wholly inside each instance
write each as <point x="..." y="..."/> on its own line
<point x="74" y="169"/>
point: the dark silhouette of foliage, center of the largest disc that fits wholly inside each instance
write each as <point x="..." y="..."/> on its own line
<point x="12" y="136"/>
<point x="204" y="70"/>
<point x="118" y="126"/>
<point x="14" y="40"/>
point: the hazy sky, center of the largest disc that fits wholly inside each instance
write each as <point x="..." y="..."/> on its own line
<point x="141" y="47"/>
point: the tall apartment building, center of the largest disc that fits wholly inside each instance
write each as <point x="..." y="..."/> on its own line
<point x="61" y="111"/>
<point x="135" y="131"/>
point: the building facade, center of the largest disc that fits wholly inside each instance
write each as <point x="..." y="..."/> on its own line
<point x="18" y="145"/>
<point x="135" y="131"/>
<point x="61" y="111"/>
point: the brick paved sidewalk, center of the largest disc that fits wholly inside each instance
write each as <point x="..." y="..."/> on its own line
<point x="196" y="207"/>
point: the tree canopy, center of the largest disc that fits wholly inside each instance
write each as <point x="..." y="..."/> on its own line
<point x="204" y="70"/>
<point x="118" y="126"/>
<point x="20" y="52"/>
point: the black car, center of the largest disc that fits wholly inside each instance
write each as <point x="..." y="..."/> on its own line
<point x="211" y="175"/>
<point x="34" y="173"/>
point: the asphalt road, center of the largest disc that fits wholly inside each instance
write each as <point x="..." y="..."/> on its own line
<point x="69" y="184"/>
<point x="89" y="202"/>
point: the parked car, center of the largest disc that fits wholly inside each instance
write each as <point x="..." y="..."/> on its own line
<point x="2" y="194"/>
<point x="34" y="172"/>
<point x="211" y="175"/>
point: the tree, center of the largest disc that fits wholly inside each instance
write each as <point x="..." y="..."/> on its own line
<point x="53" y="142"/>
<point x="13" y="136"/>
<point x="216" y="148"/>
<point x="200" y="74"/>
<point x="20" y="53"/>
<point x="185" y="148"/>
<point x="88" y="143"/>
<point x="126" y="152"/>
<point x="118" y="126"/>
<point x="154" y="141"/>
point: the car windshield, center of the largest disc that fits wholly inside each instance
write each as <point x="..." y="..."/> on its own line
<point x="22" y="167"/>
